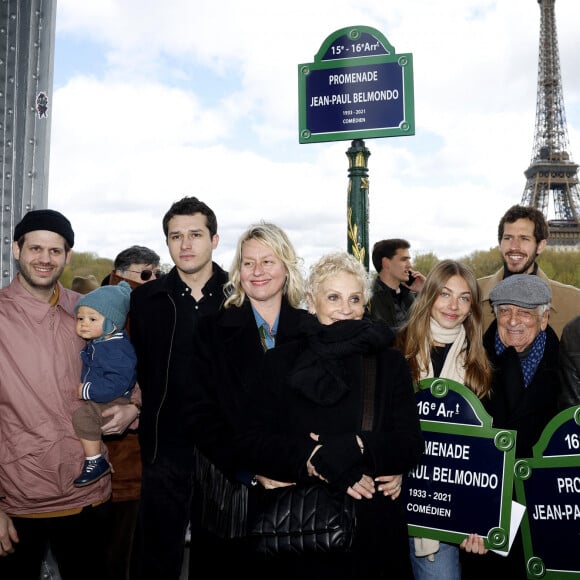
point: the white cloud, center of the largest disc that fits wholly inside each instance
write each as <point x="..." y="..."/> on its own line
<point x="156" y="101"/>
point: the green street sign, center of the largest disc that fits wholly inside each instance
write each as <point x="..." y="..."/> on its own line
<point x="463" y="483"/>
<point x="356" y="88"/>
<point x="548" y="484"/>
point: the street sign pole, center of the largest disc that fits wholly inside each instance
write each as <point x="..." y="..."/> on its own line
<point x="358" y="202"/>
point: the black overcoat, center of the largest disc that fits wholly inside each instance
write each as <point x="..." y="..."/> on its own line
<point x="250" y="415"/>
<point x="512" y="405"/>
<point x="228" y="359"/>
<point x="164" y="378"/>
<point x="527" y="410"/>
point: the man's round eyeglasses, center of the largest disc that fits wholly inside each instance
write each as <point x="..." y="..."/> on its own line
<point x="146" y="274"/>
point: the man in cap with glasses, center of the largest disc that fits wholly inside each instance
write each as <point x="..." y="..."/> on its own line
<point x="523" y="350"/>
<point x="136" y="264"/>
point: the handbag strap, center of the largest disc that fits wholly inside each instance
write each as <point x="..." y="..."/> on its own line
<point x="368" y="394"/>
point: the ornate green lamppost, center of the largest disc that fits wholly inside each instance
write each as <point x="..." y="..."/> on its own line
<point x="358" y="202"/>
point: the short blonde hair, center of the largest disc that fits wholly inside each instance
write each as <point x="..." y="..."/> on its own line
<point x="330" y="265"/>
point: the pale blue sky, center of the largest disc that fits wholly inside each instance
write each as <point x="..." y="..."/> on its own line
<point x="156" y="100"/>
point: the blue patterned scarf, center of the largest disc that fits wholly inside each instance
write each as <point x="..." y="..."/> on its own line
<point x="529" y="363"/>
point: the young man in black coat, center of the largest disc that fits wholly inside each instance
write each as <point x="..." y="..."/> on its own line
<point x="164" y="314"/>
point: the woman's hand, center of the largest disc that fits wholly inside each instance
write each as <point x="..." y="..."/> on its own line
<point x="268" y="483"/>
<point x="310" y="468"/>
<point x="474" y="544"/>
<point x="390" y="485"/>
<point x="365" y="487"/>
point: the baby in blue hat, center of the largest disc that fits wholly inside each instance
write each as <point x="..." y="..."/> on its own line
<point x="108" y="373"/>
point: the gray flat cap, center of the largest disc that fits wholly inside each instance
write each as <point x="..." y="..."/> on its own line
<point x="525" y="290"/>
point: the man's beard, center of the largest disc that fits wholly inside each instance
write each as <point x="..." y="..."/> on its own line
<point x="26" y="273"/>
<point x="527" y="265"/>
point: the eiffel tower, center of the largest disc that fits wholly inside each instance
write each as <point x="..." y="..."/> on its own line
<point x="552" y="174"/>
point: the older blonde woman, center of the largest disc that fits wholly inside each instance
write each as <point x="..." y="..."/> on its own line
<point x="314" y="385"/>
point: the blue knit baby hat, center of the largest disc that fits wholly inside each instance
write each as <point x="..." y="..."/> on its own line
<point x="110" y="301"/>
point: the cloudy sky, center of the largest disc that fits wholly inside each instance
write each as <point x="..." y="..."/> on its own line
<point x="156" y="100"/>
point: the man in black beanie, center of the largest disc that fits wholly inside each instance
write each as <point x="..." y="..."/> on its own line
<point x="48" y="220"/>
<point x="40" y="368"/>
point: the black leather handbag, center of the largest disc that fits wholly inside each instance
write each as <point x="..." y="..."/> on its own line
<point x="311" y="518"/>
<point x="304" y="518"/>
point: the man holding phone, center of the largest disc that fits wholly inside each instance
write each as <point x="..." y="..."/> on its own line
<point x="396" y="284"/>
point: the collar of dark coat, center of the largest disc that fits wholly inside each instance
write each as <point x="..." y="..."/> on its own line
<point x="166" y="284"/>
<point x="289" y="324"/>
<point x="380" y="286"/>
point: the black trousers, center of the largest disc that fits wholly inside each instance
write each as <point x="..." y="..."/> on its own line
<point x="121" y="556"/>
<point x="77" y="543"/>
<point x="166" y="490"/>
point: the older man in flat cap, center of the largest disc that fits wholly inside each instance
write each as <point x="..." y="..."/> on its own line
<point x="40" y="368"/>
<point x="523" y="350"/>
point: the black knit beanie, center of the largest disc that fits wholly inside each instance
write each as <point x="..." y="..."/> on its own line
<point x="45" y="219"/>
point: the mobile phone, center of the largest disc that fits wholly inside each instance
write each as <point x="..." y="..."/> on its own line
<point x="411" y="278"/>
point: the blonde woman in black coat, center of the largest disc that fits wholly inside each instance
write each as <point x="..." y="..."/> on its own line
<point x="261" y="311"/>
